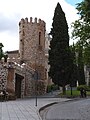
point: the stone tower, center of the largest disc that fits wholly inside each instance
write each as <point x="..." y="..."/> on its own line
<point x="32" y="44"/>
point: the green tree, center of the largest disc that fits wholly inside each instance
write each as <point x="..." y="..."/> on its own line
<point x="59" y="53"/>
<point x="81" y="27"/>
<point x="80" y="62"/>
<point x="86" y="53"/>
<point x="84" y="10"/>
<point x="2" y="54"/>
<point x="74" y="66"/>
<point x="81" y="32"/>
<point x="1" y="51"/>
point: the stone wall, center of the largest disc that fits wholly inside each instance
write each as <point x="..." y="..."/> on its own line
<point x="13" y="56"/>
<point x="32" y="53"/>
<point x="3" y="76"/>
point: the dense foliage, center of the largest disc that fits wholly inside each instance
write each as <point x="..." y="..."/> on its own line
<point x="81" y="76"/>
<point x="2" y="54"/>
<point x="81" y="33"/>
<point x="74" y="73"/>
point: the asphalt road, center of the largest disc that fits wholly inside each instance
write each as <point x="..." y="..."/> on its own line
<point x="71" y="110"/>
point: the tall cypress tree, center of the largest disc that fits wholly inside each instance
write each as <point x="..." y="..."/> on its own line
<point x="59" y="53"/>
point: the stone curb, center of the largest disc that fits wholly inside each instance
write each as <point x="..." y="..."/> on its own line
<point x="42" y="108"/>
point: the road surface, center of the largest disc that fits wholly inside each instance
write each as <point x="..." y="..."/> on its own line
<point x="71" y="110"/>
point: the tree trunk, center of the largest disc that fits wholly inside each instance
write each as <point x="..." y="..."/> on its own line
<point x="64" y="90"/>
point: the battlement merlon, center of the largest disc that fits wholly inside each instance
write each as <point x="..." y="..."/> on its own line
<point x="25" y="21"/>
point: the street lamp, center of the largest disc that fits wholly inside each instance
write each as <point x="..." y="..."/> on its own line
<point x="37" y="71"/>
<point x="71" y="87"/>
<point x="36" y="78"/>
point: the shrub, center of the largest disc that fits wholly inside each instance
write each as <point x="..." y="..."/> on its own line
<point x="83" y="87"/>
<point x="49" y="88"/>
<point x="52" y="87"/>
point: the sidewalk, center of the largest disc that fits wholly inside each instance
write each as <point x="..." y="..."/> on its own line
<point x="25" y="109"/>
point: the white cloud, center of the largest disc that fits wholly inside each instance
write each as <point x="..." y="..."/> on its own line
<point x="13" y="10"/>
<point x="9" y="41"/>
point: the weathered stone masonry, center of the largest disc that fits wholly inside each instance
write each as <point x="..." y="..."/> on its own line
<point x="3" y="76"/>
<point x="32" y="44"/>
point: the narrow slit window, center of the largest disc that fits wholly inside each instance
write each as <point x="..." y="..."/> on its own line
<point x="39" y="38"/>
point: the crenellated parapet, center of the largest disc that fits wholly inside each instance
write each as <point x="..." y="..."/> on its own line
<point x="31" y="21"/>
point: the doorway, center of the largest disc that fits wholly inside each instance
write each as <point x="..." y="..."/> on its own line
<point x="18" y="82"/>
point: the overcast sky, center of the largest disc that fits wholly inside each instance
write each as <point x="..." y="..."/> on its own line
<point x="11" y="12"/>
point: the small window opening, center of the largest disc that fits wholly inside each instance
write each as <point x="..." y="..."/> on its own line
<point x="39" y="38"/>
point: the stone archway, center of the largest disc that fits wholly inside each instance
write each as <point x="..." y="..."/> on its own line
<point x="18" y="85"/>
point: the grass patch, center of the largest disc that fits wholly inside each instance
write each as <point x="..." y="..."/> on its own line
<point x="75" y="93"/>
